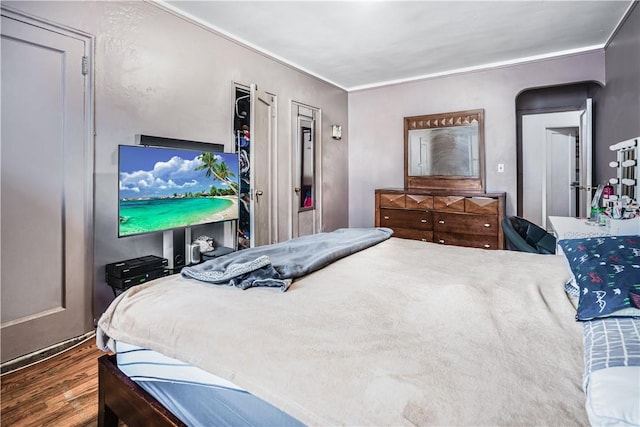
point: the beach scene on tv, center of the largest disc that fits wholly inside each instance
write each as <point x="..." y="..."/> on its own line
<point x="164" y="188"/>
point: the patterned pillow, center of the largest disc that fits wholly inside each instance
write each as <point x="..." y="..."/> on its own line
<point x="607" y="272"/>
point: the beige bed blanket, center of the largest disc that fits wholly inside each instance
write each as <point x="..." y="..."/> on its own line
<point x="403" y="333"/>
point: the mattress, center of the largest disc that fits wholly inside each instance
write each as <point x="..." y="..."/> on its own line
<point x="197" y="397"/>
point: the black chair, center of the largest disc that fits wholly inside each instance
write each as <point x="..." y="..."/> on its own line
<point x="525" y="236"/>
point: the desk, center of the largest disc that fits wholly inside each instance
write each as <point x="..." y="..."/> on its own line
<point x="575" y="228"/>
<point x="565" y="227"/>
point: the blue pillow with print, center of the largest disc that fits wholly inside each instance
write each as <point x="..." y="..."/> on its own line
<point x="607" y="272"/>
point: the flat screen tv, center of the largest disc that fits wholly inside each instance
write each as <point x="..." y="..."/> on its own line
<point x="166" y="188"/>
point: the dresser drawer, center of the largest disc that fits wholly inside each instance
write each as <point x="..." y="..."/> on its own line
<point x="418" y="201"/>
<point x="468" y="240"/>
<point x="409" y="233"/>
<point x="401" y="218"/>
<point x="390" y="200"/>
<point x="481" y="205"/>
<point x="448" y="203"/>
<point x="466" y="224"/>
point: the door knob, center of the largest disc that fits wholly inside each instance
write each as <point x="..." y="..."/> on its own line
<point x="297" y="190"/>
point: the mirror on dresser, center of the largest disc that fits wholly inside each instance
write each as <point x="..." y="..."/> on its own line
<point x="445" y="151"/>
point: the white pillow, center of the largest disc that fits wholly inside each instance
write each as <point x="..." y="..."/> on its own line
<point x="613" y="396"/>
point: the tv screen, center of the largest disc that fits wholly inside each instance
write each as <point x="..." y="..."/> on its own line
<point x="166" y="188"/>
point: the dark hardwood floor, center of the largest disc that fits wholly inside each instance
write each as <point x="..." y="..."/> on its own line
<point x="61" y="391"/>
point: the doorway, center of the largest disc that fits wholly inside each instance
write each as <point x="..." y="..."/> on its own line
<point x="47" y="176"/>
<point x="254" y="124"/>
<point x="551" y="166"/>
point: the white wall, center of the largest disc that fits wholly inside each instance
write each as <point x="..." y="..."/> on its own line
<point x="376" y="143"/>
<point x="159" y="74"/>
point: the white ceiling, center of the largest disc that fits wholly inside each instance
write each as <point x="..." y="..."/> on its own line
<point x="360" y="44"/>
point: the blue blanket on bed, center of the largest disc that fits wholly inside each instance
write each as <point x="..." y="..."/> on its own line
<point x="278" y="264"/>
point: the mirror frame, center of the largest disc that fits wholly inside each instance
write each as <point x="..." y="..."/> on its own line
<point x="441" y="121"/>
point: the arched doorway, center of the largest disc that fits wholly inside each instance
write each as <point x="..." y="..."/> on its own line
<point x="555" y="169"/>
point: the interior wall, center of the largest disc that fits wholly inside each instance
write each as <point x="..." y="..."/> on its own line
<point x="376" y="143"/>
<point x="159" y="74"/>
<point x="618" y="113"/>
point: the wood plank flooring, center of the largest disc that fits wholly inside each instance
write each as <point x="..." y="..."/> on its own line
<point x="61" y="391"/>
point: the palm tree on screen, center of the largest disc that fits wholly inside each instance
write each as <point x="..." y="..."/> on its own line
<point x="219" y="170"/>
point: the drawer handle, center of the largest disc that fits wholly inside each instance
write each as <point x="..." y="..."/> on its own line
<point x="441" y="241"/>
<point x="423" y="220"/>
<point x="386" y="217"/>
<point x="441" y="221"/>
<point x="487" y="246"/>
<point x="487" y="225"/>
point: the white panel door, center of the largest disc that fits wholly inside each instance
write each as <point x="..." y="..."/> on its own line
<point x="262" y="136"/>
<point x="45" y="189"/>
<point x="560" y="173"/>
<point x="586" y="147"/>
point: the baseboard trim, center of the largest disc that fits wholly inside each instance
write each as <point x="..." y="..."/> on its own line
<point x="43" y="354"/>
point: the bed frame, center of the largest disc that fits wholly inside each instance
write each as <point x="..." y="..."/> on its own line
<point x="120" y="398"/>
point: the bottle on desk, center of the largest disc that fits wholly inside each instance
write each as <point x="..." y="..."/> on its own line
<point x="607" y="191"/>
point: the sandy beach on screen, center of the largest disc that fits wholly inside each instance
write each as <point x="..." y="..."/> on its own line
<point x="230" y="213"/>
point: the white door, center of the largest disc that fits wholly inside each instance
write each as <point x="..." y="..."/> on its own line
<point x="560" y="174"/>
<point x="46" y="184"/>
<point x="586" y="147"/>
<point x="542" y="142"/>
<point x="263" y="116"/>
<point x="306" y="171"/>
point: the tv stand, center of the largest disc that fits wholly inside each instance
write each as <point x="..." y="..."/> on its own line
<point x="176" y="247"/>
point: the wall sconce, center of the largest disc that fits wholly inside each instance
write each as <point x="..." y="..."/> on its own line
<point x="336" y="131"/>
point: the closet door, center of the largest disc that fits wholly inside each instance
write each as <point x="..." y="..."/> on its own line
<point x="262" y="140"/>
<point x="45" y="194"/>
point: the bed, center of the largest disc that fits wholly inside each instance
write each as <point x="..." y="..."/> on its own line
<point x="396" y="332"/>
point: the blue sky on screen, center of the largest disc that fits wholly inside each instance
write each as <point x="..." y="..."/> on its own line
<point x="158" y="172"/>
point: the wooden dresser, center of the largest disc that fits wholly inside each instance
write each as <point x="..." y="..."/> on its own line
<point x="446" y="217"/>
